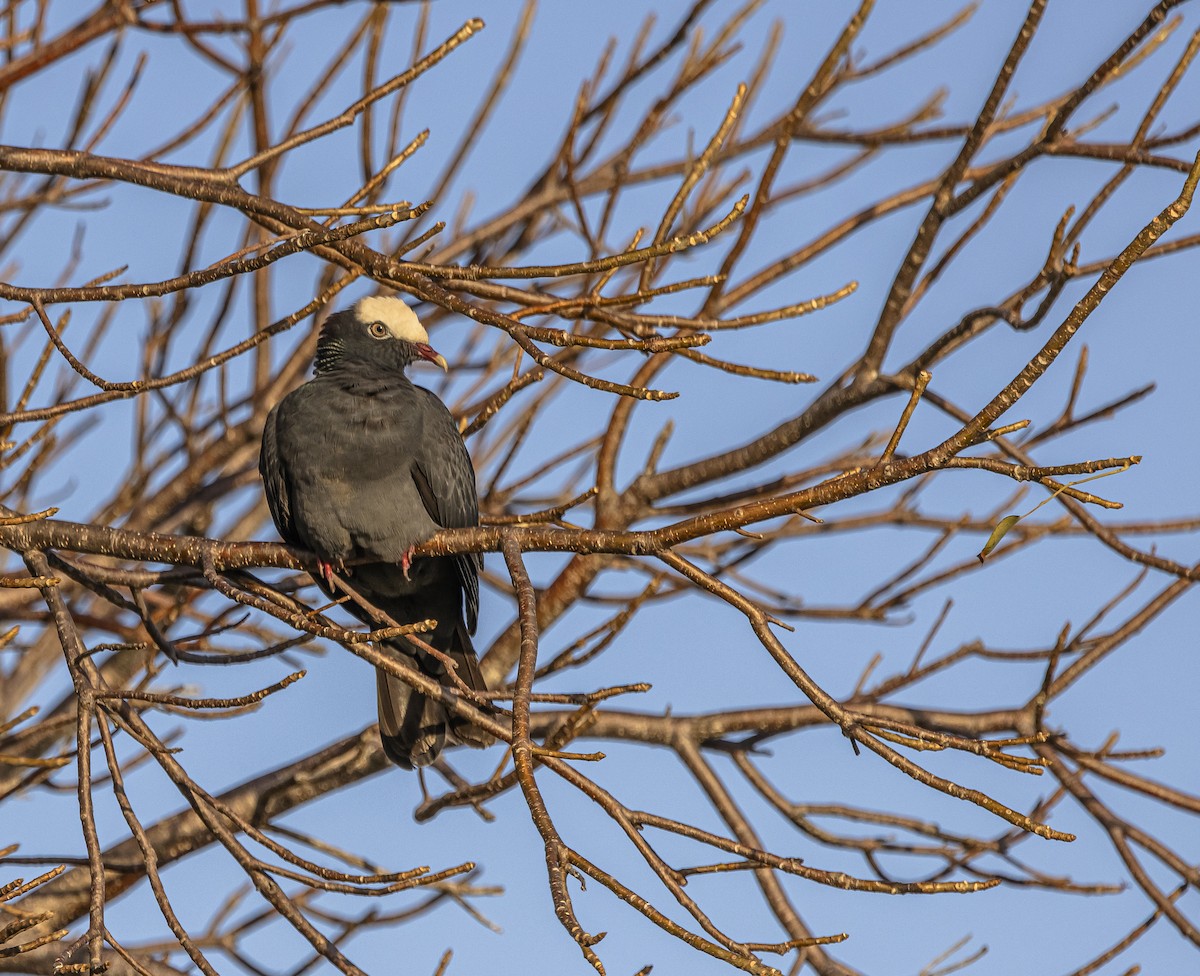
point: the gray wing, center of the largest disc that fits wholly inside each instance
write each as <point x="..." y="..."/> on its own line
<point x="275" y="481"/>
<point x="445" y="480"/>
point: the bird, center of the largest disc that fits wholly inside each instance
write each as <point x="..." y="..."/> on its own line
<point x="359" y="465"/>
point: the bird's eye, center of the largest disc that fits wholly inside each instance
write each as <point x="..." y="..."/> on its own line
<point x="378" y="330"/>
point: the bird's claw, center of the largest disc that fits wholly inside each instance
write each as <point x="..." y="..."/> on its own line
<point x="326" y="571"/>
<point x="406" y="561"/>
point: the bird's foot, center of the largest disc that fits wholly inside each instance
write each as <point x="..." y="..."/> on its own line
<point x="326" y="571"/>
<point x="406" y="561"/>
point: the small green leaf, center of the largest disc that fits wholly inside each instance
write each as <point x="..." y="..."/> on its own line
<point x="998" y="533"/>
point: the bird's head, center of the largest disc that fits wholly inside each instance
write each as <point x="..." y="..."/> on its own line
<point x="379" y="330"/>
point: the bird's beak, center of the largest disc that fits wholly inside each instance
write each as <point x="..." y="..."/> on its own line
<point x="429" y="355"/>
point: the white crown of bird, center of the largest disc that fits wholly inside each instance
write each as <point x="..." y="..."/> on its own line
<point x="400" y="320"/>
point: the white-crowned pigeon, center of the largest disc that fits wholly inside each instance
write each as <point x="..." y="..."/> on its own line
<point x="360" y="465"/>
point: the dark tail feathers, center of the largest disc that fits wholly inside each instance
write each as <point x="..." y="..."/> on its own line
<point x="413" y="728"/>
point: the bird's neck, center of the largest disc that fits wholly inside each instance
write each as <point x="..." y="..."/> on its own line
<point x="364" y="378"/>
<point x="329" y="356"/>
<point x="332" y="357"/>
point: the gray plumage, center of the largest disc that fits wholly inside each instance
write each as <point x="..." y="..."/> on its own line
<point x="359" y="465"/>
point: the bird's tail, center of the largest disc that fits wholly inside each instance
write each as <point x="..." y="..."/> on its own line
<point x="415" y="728"/>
